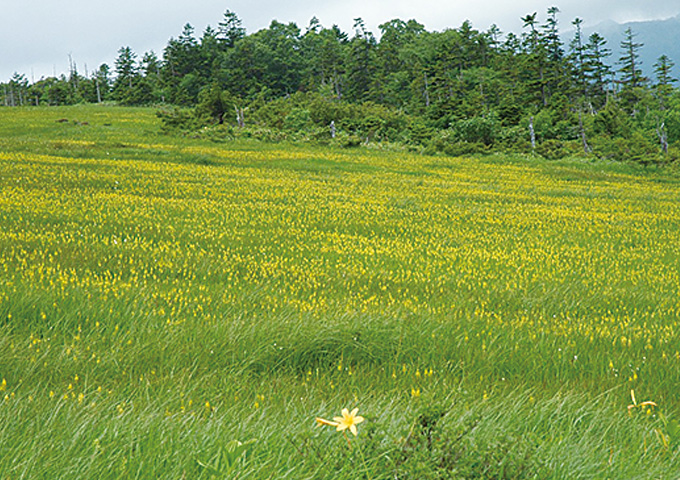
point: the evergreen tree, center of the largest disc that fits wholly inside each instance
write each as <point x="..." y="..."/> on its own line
<point x="126" y="74"/>
<point x="181" y="67"/>
<point x="555" y="79"/>
<point x="360" y="62"/>
<point x="662" y="69"/>
<point x="18" y="90"/>
<point x="629" y="61"/>
<point x="393" y="56"/>
<point x="323" y="57"/>
<point x="631" y="78"/>
<point x="534" y="57"/>
<point x="596" y="70"/>
<point x="577" y="58"/>
<point x="664" y="80"/>
<point x="102" y="80"/>
<point x="230" y="29"/>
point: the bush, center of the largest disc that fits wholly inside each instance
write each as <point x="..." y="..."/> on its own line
<point x="178" y="119"/>
<point x="447" y="142"/>
<point x="638" y="148"/>
<point x="298" y="119"/>
<point x="557" y="149"/>
<point x="418" y="132"/>
<point x="612" y="121"/>
<point x="348" y="141"/>
<point x="477" y="130"/>
<point x="513" y="139"/>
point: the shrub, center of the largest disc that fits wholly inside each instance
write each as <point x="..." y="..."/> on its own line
<point x="477" y="130"/>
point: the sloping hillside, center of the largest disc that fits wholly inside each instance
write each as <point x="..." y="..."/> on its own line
<point x="658" y="36"/>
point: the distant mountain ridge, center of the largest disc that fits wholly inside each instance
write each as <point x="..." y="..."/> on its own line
<point x="658" y="36"/>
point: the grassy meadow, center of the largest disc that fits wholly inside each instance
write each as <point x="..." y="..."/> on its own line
<point x="161" y="297"/>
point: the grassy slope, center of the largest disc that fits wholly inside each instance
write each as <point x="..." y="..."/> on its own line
<point x="161" y="296"/>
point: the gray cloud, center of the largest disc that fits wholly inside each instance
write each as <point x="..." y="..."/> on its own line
<point x="38" y="35"/>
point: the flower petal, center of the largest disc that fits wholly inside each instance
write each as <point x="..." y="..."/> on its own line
<point x="354" y="412"/>
<point x="322" y="421"/>
<point x="345" y="412"/>
<point x="341" y="427"/>
<point x="353" y="429"/>
<point x="358" y="419"/>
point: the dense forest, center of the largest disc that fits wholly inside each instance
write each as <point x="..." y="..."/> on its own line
<point x="458" y="91"/>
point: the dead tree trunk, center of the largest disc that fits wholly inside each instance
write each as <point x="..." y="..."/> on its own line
<point x="663" y="137"/>
<point x="532" y="133"/>
<point x="240" y="117"/>
<point x="427" y="93"/>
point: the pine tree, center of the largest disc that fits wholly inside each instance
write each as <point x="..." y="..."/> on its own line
<point x="664" y="80"/>
<point x="597" y="72"/>
<point x="662" y="69"/>
<point x="126" y="73"/>
<point x="360" y="62"/>
<point x="534" y="45"/>
<point x="631" y="78"/>
<point x="577" y="57"/>
<point x="629" y="61"/>
<point x="230" y="29"/>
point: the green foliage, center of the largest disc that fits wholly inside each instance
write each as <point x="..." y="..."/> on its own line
<point x="402" y="89"/>
<point x="557" y="149"/>
<point x="612" y="121"/>
<point x="298" y="119"/>
<point x="164" y="295"/>
<point x="477" y="130"/>
<point x="225" y="460"/>
<point x="178" y="119"/>
<point x="638" y="148"/>
<point x="448" y="142"/>
<point x="672" y="124"/>
<point x="215" y="105"/>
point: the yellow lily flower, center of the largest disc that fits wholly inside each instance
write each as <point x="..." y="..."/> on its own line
<point x="348" y="420"/>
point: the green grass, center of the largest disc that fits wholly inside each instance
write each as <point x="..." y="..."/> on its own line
<point x="161" y="296"/>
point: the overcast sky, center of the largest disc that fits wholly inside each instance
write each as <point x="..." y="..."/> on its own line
<point x="37" y="36"/>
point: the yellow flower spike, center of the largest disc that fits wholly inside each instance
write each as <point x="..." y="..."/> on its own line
<point x="647" y="403"/>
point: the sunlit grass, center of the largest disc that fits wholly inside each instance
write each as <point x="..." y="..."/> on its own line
<point x="161" y="297"/>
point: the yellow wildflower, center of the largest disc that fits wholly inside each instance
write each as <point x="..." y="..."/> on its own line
<point x="349" y="420"/>
<point x="647" y="403"/>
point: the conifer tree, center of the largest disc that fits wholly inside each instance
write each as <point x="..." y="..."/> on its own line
<point x="629" y="61"/>
<point x="577" y="57"/>
<point x="597" y="71"/>
<point x="230" y="29"/>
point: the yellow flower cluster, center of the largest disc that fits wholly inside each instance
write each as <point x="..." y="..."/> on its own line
<point x="273" y="231"/>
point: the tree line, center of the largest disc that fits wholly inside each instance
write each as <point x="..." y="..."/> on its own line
<point x="459" y="90"/>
